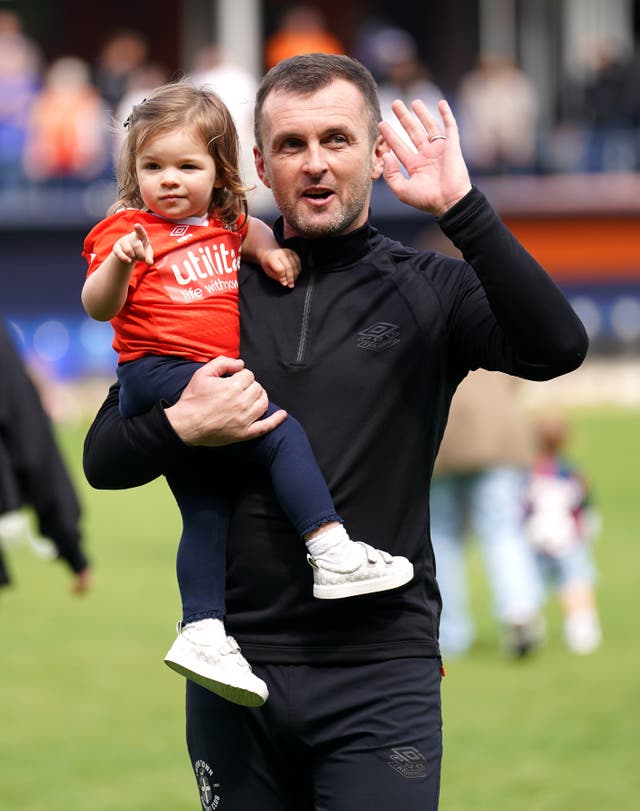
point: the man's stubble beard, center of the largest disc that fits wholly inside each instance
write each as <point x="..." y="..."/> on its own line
<point x="332" y="225"/>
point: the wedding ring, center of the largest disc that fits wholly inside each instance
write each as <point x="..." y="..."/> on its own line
<point x="436" y="137"/>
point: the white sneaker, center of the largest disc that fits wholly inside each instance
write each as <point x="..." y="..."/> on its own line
<point x="220" y="667"/>
<point x="582" y="632"/>
<point x="15" y="529"/>
<point x="520" y="639"/>
<point x="374" y="571"/>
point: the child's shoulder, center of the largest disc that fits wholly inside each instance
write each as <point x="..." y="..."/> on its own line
<point x="238" y="225"/>
<point x="129" y="215"/>
<point x="121" y="215"/>
<point x="102" y="236"/>
<point x="119" y="222"/>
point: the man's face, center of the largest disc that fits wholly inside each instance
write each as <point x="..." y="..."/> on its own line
<point x="318" y="160"/>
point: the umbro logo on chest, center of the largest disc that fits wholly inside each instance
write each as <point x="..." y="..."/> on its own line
<point x="379" y="336"/>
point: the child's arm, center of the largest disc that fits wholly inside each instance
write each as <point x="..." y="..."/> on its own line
<point x="281" y="264"/>
<point x="105" y="291"/>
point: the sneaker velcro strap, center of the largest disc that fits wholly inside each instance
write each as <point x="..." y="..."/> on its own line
<point x="374" y="555"/>
<point x="229" y="646"/>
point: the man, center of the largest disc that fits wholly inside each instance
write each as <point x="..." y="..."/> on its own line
<point x="366" y="350"/>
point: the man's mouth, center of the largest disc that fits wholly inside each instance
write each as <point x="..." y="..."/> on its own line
<point x="318" y="195"/>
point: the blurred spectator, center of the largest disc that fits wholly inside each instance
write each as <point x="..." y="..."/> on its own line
<point x="20" y="75"/>
<point x="633" y="101"/>
<point x="139" y="84"/>
<point x="303" y="29"/>
<point x="237" y="88"/>
<point x="401" y="73"/>
<point x="598" y="112"/>
<point x="121" y="54"/>
<point x="608" y="112"/>
<point x="498" y="113"/>
<point x="477" y="490"/>
<point x="67" y="142"/>
<point x="561" y="525"/>
<point x="365" y="42"/>
<point x="33" y="473"/>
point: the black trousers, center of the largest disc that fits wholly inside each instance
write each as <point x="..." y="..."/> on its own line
<point x="32" y="469"/>
<point x="348" y="738"/>
<point x="4" y="572"/>
<point x="9" y="500"/>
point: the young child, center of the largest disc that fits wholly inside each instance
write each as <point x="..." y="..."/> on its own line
<point x="561" y="524"/>
<point x="163" y="269"/>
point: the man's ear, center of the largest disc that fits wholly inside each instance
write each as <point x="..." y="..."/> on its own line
<point x="377" y="166"/>
<point x="260" y="169"/>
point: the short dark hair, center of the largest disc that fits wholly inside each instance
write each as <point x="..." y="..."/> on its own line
<point x="308" y="73"/>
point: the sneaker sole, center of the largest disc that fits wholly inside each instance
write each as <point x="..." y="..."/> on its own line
<point x="237" y="695"/>
<point x="337" y="592"/>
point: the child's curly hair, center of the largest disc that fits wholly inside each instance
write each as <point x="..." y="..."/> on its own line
<point x="175" y="106"/>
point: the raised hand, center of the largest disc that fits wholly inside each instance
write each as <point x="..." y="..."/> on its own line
<point x="437" y="173"/>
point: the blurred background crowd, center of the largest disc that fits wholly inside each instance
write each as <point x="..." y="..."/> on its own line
<point x="547" y="96"/>
<point x="56" y="106"/>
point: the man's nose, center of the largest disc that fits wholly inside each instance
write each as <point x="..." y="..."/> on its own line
<point x="314" y="160"/>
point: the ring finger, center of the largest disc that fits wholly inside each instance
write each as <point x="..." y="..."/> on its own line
<point x="430" y="123"/>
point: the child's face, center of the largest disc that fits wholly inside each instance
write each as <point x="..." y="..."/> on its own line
<point x="176" y="175"/>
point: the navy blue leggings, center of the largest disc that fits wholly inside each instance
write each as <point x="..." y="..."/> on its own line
<point x="298" y="482"/>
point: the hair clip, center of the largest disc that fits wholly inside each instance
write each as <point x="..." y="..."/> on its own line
<point x="129" y="119"/>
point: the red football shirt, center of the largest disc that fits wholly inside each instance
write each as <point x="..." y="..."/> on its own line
<point x="186" y="303"/>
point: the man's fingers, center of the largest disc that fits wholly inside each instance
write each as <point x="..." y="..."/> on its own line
<point x="228" y="403"/>
<point x="429" y="124"/>
<point x="221" y="366"/>
<point x="430" y="121"/>
<point x="392" y="171"/>
<point x="262" y="427"/>
<point x="446" y="114"/>
<point x="398" y="146"/>
<point x="244" y="379"/>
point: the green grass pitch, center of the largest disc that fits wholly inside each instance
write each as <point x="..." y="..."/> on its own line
<point x="90" y="718"/>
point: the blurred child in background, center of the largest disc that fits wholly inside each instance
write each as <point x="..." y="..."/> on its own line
<point x="561" y="524"/>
